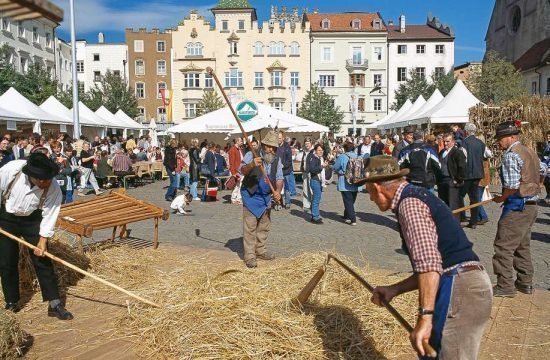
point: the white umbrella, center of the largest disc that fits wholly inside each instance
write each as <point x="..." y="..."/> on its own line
<point x="36" y="128"/>
<point x="153" y="133"/>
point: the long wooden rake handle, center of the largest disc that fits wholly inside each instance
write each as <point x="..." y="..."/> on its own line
<point x="77" y="269"/>
<point x="308" y="289"/>
<point x="211" y="72"/>
<point x="472" y="206"/>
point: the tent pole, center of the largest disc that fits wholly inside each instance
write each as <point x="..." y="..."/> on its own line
<point x="76" y="119"/>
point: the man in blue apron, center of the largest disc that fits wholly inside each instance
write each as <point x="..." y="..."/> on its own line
<point x="519" y="174"/>
<point x="256" y="197"/>
<point x="454" y="289"/>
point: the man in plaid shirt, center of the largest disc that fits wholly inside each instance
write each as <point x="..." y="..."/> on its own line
<point x="455" y="294"/>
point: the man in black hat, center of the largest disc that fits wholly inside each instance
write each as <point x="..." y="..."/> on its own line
<point x="520" y="178"/>
<point x="454" y="290"/>
<point x="407" y="140"/>
<point x="29" y="209"/>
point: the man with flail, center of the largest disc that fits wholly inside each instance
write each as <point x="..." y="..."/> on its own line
<point x="519" y="175"/>
<point x="454" y="290"/>
<point x="30" y="205"/>
<point x="256" y="197"/>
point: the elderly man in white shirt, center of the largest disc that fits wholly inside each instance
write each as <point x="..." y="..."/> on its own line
<point x="29" y="208"/>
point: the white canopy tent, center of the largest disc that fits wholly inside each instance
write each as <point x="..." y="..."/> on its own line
<point x="453" y="109"/>
<point x="381" y="121"/>
<point x="119" y="120"/>
<point x="434" y="99"/>
<point x="404" y="108"/>
<point x="132" y="124"/>
<point x="420" y="101"/>
<point x="54" y="106"/>
<point x="153" y="133"/>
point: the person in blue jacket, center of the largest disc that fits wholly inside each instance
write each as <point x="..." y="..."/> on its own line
<point x="347" y="190"/>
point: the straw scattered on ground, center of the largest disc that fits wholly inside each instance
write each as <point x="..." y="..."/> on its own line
<point x="12" y="338"/>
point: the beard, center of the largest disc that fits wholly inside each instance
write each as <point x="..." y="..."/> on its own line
<point x="268" y="158"/>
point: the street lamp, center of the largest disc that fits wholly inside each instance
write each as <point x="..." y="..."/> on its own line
<point x="76" y="120"/>
<point x="353" y="106"/>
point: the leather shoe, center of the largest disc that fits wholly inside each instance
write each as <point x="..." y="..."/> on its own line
<point x="525" y="289"/>
<point x="483" y="222"/>
<point x="318" y="221"/>
<point x="59" y="312"/>
<point x="13" y="307"/>
<point x="500" y="292"/>
<point x="266" y="256"/>
<point x="251" y="263"/>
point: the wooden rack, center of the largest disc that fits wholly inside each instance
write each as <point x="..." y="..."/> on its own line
<point x="115" y="210"/>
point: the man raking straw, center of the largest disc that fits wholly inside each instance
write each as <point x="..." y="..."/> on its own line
<point x="454" y="289"/>
<point x="30" y="206"/>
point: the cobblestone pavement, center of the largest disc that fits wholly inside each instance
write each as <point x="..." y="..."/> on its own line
<point x="374" y="240"/>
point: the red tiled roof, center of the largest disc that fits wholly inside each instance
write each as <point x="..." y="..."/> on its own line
<point x="533" y="57"/>
<point x="343" y="22"/>
<point x="413" y="32"/>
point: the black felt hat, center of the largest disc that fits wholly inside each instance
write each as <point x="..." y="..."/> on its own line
<point x="508" y="128"/>
<point x="40" y="166"/>
<point x="408" y="130"/>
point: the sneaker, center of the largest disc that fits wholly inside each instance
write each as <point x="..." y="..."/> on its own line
<point x="483" y="222"/>
<point x="500" y="292"/>
<point x="99" y="192"/>
<point x="353" y="224"/>
<point x="266" y="256"/>
<point x="251" y="263"/>
<point x="60" y="312"/>
<point x="347" y="221"/>
<point x="80" y="193"/>
<point x="197" y="199"/>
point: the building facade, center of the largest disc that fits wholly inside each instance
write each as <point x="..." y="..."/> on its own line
<point x="426" y="49"/>
<point x="266" y="62"/>
<point x="64" y="68"/>
<point x="519" y="31"/>
<point x="150" y="72"/>
<point x="349" y="61"/>
<point x="94" y="60"/>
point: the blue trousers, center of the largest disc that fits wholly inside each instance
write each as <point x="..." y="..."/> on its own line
<point x="173" y="187"/>
<point x="288" y="188"/>
<point x="193" y="189"/>
<point x="316" y="199"/>
<point x="292" y="183"/>
<point x="349" y="197"/>
<point x="482" y="213"/>
<point x="185" y="177"/>
<point x="68" y="197"/>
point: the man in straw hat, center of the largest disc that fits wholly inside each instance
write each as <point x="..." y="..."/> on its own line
<point x="256" y="196"/>
<point x="30" y="206"/>
<point x="446" y="269"/>
<point x="519" y="174"/>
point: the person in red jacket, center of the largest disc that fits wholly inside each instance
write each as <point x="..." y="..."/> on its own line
<point x="235" y="158"/>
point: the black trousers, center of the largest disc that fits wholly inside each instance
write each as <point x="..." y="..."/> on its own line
<point x="27" y="227"/>
<point x="470" y="187"/>
<point x="450" y="194"/>
<point x="348" y="197"/>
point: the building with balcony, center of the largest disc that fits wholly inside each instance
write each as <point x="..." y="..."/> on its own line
<point x="426" y="49"/>
<point x="267" y="62"/>
<point x="349" y="61"/>
<point x="150" y="72"/>
<point x="94" y="60"/>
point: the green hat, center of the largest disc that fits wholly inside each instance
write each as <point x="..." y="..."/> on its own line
<point x="381" y="168"/>
<point x="271" y="139"/>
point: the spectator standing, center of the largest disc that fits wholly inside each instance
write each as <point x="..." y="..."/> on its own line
<point x="221" y="164"/>
<point x="170" y="164"/>
<point x="377" y="147"/>
<point x="103" y="169"/>
<point x="422" y="162"/>
<point x="285" y="156"/>
<point x="130" y="144"/>
<point x="316" y="163"/>
<point x="364" y="149"/>
<point x="458" y="134"/>
<point x="347" y="191"/>
<point x="453" y="172"/>
<point x="475" y="150"/>
<point x="306" y="189"/>
<point x="407" y="140"/>
<point x="5" y="154"/>
<point x="19" y="149"/>
<point x="210" y="160"/>
<point x="235" y="158"/>
<point x="194" y="168"/>
<point x="86" y="168"/>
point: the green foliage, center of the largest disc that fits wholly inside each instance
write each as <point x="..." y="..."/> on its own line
<point x="498" y="81"/>
<point x="37" y="84"/>
<point x="8" y="75"/>
<point x="444" y="83"/>
<point x="417" y="85"/>
<point x="113" y="93"/>
<point x="66" y="98"/>
<point x="319" y="107"/>
<point x="210" y="102"/>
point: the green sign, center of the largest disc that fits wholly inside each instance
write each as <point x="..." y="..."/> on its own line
<point x="246" y="110"/>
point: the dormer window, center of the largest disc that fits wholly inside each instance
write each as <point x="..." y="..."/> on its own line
<point x="356" y="24"/>
<point x="377" y="24"/>
<point x="325" y="24"/>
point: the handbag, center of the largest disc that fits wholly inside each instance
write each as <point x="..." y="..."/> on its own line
<point x="231" y="182"/>
<point x="205" y="170"/>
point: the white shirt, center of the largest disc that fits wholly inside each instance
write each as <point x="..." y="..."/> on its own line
<point x="178" y="203"/>
<point x="23" y="199"/>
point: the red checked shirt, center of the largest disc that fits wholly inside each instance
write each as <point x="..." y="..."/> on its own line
<point x="419" y="231"/>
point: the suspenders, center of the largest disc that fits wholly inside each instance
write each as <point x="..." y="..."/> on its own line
<point x="7" y="193"/>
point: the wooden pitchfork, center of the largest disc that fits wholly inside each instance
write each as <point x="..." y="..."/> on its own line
<point x="304" y="295"/>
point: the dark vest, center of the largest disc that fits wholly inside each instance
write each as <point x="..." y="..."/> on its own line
<point x="452" y="243"/>
<point x="252" y="180"/>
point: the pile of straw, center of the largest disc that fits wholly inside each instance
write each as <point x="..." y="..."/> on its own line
<point x="212" y="313"/>
<point x="12" y="338"/>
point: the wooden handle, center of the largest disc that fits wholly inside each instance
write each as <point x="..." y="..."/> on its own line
<point x="77" y="269"/>
<point x="472" y="206"/>
<point x="302" y="297"/>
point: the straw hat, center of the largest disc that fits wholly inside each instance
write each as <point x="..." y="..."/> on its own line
<point x="271" y="139"/>
<point x="381" y="168"/>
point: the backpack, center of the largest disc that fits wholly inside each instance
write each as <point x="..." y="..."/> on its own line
<point x="354" y="169"/>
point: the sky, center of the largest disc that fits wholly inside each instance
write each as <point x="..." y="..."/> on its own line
<point x="468" y="18"/>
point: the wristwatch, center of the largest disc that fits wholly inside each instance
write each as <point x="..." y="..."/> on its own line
<point x="422" y="311"/>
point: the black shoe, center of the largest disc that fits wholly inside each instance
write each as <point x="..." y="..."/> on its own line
<point x="59" y="312"/>
<point x="13" y="307"/>
<point x="500" y="292"/>
<point x="525" y="289"/>
<point x="483" y="222"/>
<point x="318" y="221"/>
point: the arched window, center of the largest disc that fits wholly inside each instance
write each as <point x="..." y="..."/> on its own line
<point x="294" y="48"/>
<point x="194" y="49"/>
<point x="258" y="48"/>
<point x="325" y="24"/>
<point x="276" y="48"/>
<point x="356" y="24"/>
<point x="140" y="67"/>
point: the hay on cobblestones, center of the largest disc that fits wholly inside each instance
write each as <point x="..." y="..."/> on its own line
<point x="12" y="338"/>
<point x="213" y="313"/>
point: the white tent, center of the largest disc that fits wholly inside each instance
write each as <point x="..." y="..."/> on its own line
<point x="153" y="133"/>
<point x="432" y="101"/>
<point x="54" y="106"/>
<point x="420" y="101"/>
<point x="381" y="121"/>
<point x="404" y="108"/>
<point x="23" y="109"/>
<point x="453" y="109"/>
<point x="132" y="124"/>
<point x="87" y="116"/>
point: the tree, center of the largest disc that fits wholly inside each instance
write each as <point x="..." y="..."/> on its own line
<point x="210" y="102"/>
<point x="415" y="86"/>
<point x="66" y="98"/>
<point x="444" y="83"/>
<point x="318" y="107"/>
<point x="113" y="93"/>
<point x="37" y="84"/>
<point x="8" y="75"/>
<point x="498" y="81"/>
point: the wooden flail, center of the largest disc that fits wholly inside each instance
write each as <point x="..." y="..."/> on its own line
<point x="115" y="210"/>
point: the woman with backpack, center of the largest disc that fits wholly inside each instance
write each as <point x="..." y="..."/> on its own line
<point x="347" y="190"/>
